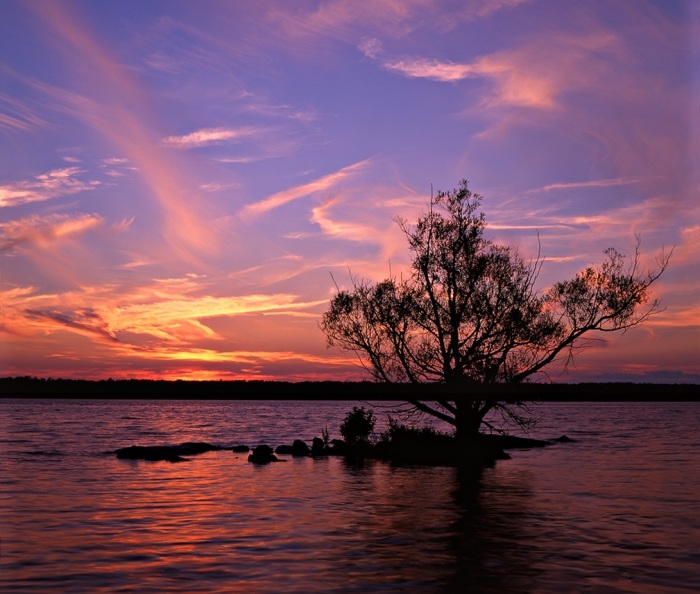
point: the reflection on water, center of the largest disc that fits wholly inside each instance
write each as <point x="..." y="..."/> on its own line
<point x="608" y="513"/>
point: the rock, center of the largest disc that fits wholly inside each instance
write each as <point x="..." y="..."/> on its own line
<point x="563" y="439"/>
<point x="510" y="442"/>
<point x="169" y="453"/>
<point x="300" y="448"/>
<point x="317" y="447"/>
<point x="263" y="454"/>
<point x="152" y="453"/>
<point x="338" y="447"/>
<point x="195" y="447"/>
<point x="240" y="449"/>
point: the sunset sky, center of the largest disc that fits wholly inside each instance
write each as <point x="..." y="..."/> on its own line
<point x="179" y="180"/>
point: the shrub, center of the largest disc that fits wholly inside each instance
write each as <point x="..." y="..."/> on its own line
<point x="419" y="436"/>
<point x="416" y="445"/>
<point x="358" y="425"/>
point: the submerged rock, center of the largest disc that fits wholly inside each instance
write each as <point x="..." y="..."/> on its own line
<point x="168" y="453"/>
<point x="318" y="448"/>
<point x="338" y="447"/>
<point x="511" y="442"/>
<point x="298" y="448"/>
<point x="263" y="454"/>
<point x="563" y="439"/>
<point x="152" y="453"/>
<point x="240" y="449"/>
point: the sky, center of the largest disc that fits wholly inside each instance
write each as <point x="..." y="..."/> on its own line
<point x="183" y="184"/>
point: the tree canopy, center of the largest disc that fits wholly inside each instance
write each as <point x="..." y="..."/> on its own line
<point x="470" y="313"/>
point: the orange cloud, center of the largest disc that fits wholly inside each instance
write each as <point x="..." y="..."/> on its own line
<point x="164" y="312"/>
<point x="160" y="323"/>
<point x="44" y="231"/>
<point x="180" y="319"/>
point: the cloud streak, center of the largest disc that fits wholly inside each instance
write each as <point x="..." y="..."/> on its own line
<point x="595" y="183"/>
<point x="321" y="184"/>
<point x="18" y="116"/>
<point x="209" y="136"/>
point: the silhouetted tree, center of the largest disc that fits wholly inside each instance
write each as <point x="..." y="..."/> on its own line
<point x="470" y="314"/>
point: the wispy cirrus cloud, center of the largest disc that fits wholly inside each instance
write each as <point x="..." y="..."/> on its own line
<point x="341" y="18"/>
<point x="337" y="18"/>
<point x="475" y="9"/>
<point x="512" y="84"/>
<point x="209" y="136"/>
<point x="594" y="183"/>
<point x="18" y="116"/>
<point x="44" y="231"/>
<point x="133" y="132"/>
<point x="342" y="229"/>
<point x="320" y="184"/>
<point x="53" y="184"/>
<point x="534" y="75"/>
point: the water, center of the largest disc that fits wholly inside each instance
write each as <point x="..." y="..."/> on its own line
<point x="615" y="511"/>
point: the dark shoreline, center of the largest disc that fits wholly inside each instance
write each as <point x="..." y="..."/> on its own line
<point x="24" y="387"/>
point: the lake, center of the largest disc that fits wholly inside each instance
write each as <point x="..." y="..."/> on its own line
<point x="614" y="511"/>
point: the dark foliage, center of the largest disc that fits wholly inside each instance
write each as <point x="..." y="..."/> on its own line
<point x="358" y="425"/>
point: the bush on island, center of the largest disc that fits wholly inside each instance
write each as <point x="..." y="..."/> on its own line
<point x="425" y="445"/>
<point x="358" y="425"/>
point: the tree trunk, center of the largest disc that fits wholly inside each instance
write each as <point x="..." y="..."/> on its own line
<point x="472" y="447"/>
<point x="467" y="424"/>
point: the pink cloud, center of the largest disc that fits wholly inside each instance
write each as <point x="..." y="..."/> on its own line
<point x="125" y="117"/>
<point x="595" y="183"/>
<point x="534" y="75"/>
<point x="54" y="184"/>
<point x="208" y="136"/>
<point x="45" y="231"/>
<point x="318" y="185"/>
<point x="431" y="69"/>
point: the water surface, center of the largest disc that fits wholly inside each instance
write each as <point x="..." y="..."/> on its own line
<point x="615" y="511"/>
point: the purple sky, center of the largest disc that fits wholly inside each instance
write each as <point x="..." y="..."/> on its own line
<point x="179" y="180"/>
